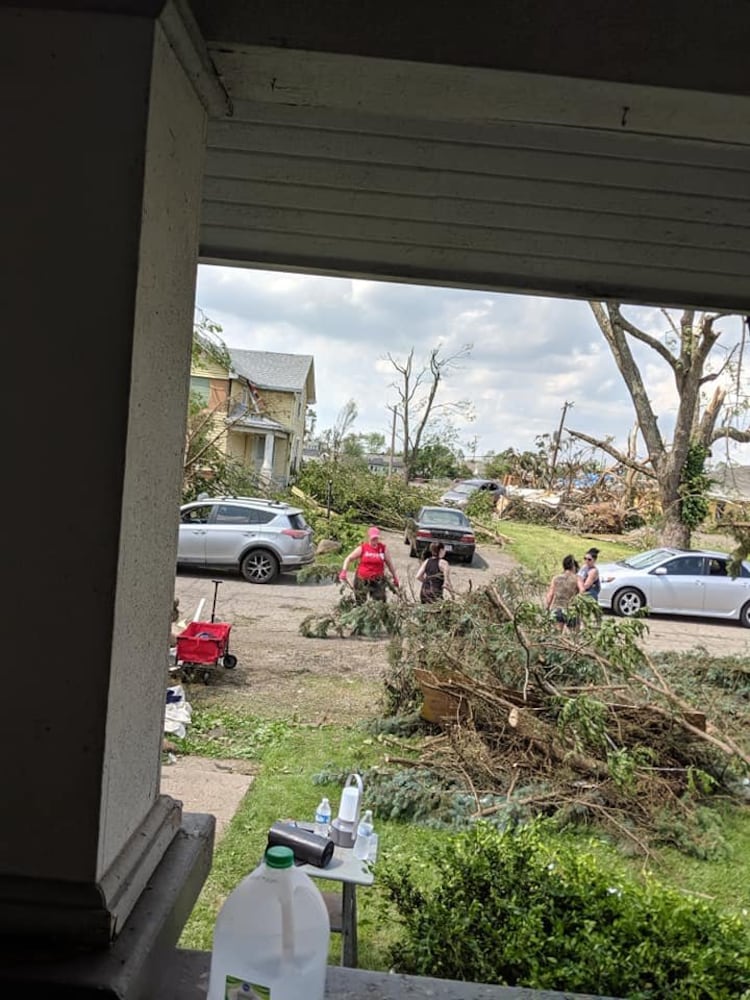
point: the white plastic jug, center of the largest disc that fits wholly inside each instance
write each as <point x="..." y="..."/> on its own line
<point x="271" y="936"/>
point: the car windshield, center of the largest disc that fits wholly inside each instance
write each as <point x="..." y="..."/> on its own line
<point x="645" y="560"/>
<point x="463" y="488"/>
<point x="452" y="518"/>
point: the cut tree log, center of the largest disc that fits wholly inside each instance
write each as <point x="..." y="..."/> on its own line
<point x="546" y="738"/>
<point x="439" y="702"/>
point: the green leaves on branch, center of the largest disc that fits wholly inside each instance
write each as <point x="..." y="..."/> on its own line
<point x="361" y="496"/>
<point x="208" y="345"/>
<point x="694" y="484"/>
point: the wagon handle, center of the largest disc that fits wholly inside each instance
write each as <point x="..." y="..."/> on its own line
<point x="216" y="584"/>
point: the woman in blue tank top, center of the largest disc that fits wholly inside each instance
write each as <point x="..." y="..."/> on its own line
<point x="589" y="575"/>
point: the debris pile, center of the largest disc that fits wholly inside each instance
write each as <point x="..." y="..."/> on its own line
<point x="604" y="504"/>
<point x="583" y="725"/>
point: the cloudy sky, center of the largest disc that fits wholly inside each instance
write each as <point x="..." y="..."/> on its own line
<point x="529" y="356"/>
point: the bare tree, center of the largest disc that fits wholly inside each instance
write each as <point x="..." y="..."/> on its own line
<point x="332" y="440"/>
<point x="699" y="421"/>
<point x="417" y="390"/>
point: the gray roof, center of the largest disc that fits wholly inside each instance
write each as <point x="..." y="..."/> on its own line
<point x="254" y="421"/>
<point x="730" y="482"/>
<point x="269" y="370"/>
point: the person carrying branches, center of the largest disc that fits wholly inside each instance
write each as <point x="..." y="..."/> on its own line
<point x="435" y="575"/>
<point x="372" y="558"/>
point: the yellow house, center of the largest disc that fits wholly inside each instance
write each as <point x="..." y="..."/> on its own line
<point x="262" y="400"/>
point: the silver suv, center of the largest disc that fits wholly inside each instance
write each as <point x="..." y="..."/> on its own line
<point x="258" y="537"/>
<point x="460" y="493"/>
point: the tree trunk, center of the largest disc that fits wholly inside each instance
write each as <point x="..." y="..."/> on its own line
<point x="669" y="476"/>
<point x="674" y="533"/>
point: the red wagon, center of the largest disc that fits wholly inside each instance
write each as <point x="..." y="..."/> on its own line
<point x="205" y="644"/>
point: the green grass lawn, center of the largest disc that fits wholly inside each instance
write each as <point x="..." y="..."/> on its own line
<point x="284" y="789"/>
<point x="538" y="547"/>
<point x="289" y="754"/>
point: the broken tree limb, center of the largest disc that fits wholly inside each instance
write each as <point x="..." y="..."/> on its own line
<point x="496" y="536"/>
<point x="547" y="738"/>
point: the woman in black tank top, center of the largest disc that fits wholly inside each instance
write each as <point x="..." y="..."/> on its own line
<point x="434" y="575"/>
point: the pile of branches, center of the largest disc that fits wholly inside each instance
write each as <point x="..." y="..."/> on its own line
<point x="347" y="618"/>
<point x="610" y="503"/>
<point x="577" y="511"/>
<point x="583" y="725"/>
<point x="359" y="496"/>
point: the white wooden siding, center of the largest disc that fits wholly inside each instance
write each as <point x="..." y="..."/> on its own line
<point x="546" y="208"/>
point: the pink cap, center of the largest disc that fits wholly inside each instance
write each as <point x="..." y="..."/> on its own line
<point x="373" y="532"/>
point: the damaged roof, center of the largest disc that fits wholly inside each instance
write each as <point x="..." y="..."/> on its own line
<point x="270" y="370"/>
<point x="730" y="482"/>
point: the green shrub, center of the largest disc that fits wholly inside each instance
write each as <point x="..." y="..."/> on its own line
<point x="519" y="909"/>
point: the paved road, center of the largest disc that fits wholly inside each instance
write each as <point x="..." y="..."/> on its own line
<point x="679" y="633"/>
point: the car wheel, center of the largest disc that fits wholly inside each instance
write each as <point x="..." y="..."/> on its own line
<point x="628" y="602"/>
<point x="259" y="566"/>
<point x="745" y="615"/>
<point x="469" y="559"/>
<point x="229" y="660"/>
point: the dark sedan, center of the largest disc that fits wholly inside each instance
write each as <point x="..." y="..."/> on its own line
<point x="440" y="524"/>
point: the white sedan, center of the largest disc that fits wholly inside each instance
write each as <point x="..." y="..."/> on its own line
<point x="676" y="582"/>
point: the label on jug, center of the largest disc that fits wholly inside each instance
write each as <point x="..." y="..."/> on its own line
<point x="239" y="989"/>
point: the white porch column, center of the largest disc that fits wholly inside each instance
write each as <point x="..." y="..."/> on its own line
<point x="103" y="139"/>
<point x="267" y="468"/>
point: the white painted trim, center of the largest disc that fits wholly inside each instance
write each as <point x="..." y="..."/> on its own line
<point x="481" y="96"/>
<point x="184" y="36"/>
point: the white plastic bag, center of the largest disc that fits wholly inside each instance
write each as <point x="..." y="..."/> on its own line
<point x="178" y="712"/>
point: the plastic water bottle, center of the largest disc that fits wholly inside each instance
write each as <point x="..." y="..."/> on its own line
<point x="323" y="818"/>
<point x="271" y="936"/>
<point x="364" y="832"/>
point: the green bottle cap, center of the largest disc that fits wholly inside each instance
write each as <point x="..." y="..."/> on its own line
<point x="279" y="857"/>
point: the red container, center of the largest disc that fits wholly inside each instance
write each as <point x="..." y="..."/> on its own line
<point x="203" y="642"/>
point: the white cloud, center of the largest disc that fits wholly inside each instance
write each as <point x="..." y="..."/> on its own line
<point x="530" y="355"/>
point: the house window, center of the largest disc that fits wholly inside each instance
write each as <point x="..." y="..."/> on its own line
<point x="201" y="388"/>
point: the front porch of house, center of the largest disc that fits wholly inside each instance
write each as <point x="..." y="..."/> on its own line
<point x="402" y="142"/>
<point x="262" y="446"/>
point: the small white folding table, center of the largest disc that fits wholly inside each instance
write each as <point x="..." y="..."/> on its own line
<point x="350" y="872"/>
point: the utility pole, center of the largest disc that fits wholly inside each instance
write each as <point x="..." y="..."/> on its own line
<point x="565" y="409"/>
<point x="394" y="410"/>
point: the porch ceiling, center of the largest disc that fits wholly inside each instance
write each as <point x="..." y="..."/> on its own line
<point x="486" y="176"/>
